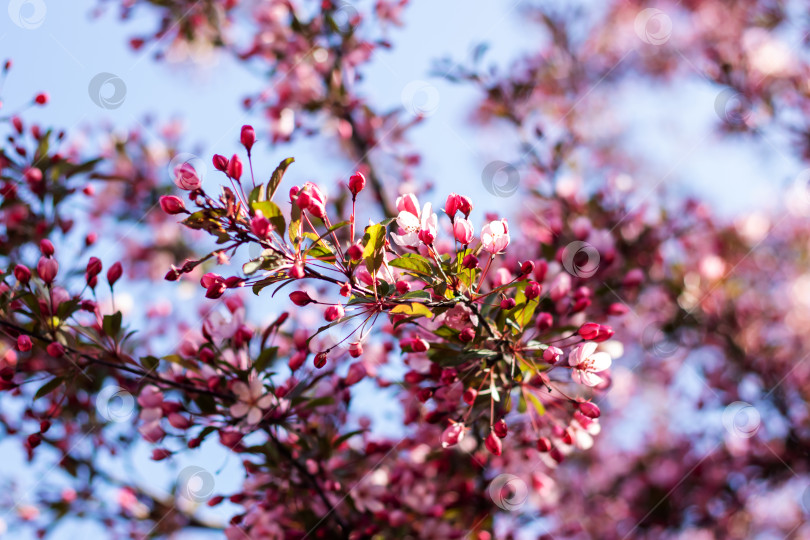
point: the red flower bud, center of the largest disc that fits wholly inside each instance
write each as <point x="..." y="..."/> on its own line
<point x="467" y="335"/>
<point x="46" y="247"/>
<point x="419" y="345"/>
<point x="334" y="312"/>
<point x="56" y="350"/>
<point x="500" y="428"/>
<point x="235" y="168"/>
<point x="526" y="268"/>
<point x="24" y="343"/>
<point x="544" y="321"/>
<point x="469" y="262"/>
<point x="465" y="205"/>
<point x="22" y="273"/>
<point x="320" y="360"/>
<point x="47" y="269"/>
<point x="469" y="396"/>
<point x="248" y="137"/>
<point x="356" y="349"/>
<point x="533" y="290"/>
<point x="41" y="98"/>
<point x="588" y="331"/>
<point x="93" y="266"/>
<point x="172" y="205"/>
<point x="356" y="183"/>
<point x="508" y="303"/>
<point x="403" y="287"/>
<point x="159" y="454"/>
<point x="300" y="298"/>
<point x="493" y="444"/>
<point x="543" y="444"/>
<point x="114" y="273"/>
<point x="355" y="252"/>
<point x="589" y="409"/>
<point x="297" y="360"/>
<point x="220" y="163"/>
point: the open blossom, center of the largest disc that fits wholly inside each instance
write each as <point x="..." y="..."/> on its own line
<point x="252" y="401"/>
<point x="495" y="236"/>
<point x="415" y="226"/>
<point x="587" y="363"/>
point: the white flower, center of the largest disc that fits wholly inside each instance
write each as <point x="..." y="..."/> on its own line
<point x="411" y="223"/>
<point x="587" y="362"/>
<point x="495" y="236"/>
<point x="252" y="401"/>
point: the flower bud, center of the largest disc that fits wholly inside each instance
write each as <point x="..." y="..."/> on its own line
<point x="297" y="360"/>
<point x="544" y="321"/>
<point x="452" y="435"/>
<point x="41" y="98"/>
<point x="356" y="349"/>
<point x="93" y="267"/>
<point x="526" y="268"/>
<point x="533" y="290"/>
<point x="300" y="298"/>
<point x="22" y="273"/>
<point x="56" y="350"/>
<point x="463" y="231"/>
<point x="493" y="444"/>
<point x="357" y="373"/>
<point x="508" y="303"/>
<point x="469" y="396"/>
<point x="186" y="177"/>
<point x="47" y="269"/>
<point x="172" y="205"/>
<point x="403" y="287"/>
<point x="24" y="343"/>
<point x="248" y="137"/>
<point x="451" y="205"/>
<point x="356" y="183"/>
<point x="465" y="205"/>
<point x="114" y="273"/>
<point x="543" y="444"/>
<point x="355" y="252"/>
<point x="552" y="355"/>
<point x="260" y="225"/>
<point x="320" y="360"/>
<point x="467" y="335"/>
<point x="235" y="168"/>
<point x="588" y="331"/>
<point x="589" y="409"/>
<point x="469" y="262"/>
<point x="617" y="308"/>
<point x="334" y="312"/>
<point x="500" y="428"/>
<point x="220" y="163"/>
<point x="46" y="247"/>
<point x="419" y="345"/>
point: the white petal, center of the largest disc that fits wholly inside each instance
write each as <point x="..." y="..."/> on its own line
<point x="241" y="390"/>
<point x="239" y="409"/>
<point x="254" y="416"/>
<point x="601" y="361"/>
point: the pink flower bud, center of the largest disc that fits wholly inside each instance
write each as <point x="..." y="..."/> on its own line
<point x="467" y="335"/>
<point x="297" y="271"/>
<point x="540" y="271"/>
<point x="248" y="137"/>
<point x="185" y="176"/>
<point x="590" y="409"/>
<point x="297" y="360"/>
<point x="403" y="287"/>
<point x="334" y="312"/>
<point x="634" y="278"/>
<point x="544" y="321"/>
<point x="604" y="333"/>
<point x="588" y="331"/>
<point x="235" y="168"/>
<point x="357" y="373"/>
<point x="300" y="298"/>
<point x="463" y="231"/>
<point x="114" y="273"/>
<point x="24" y="343"/>
<point x="56" y="350"/>
<point x="617" y="308"/>
<point x="465" y="205"/>
<point x="500" y="428"/>
<point x="47" y="269"/>
<point x="260" y="225"/>
<point x="493" y="444"/>
<point x="172" y="205"/>
<point x="543" y="444"/>
<point x="179" y="421"/>
<point x="452" y="435"/>
<point x="220" y="163"/>
<point x="159" y="454"/>
<point x="552" y="355"/>
<point x="22" y="273"/>
<point x="507" y="303"/>
<point x="93" y="267"/>
<point x="356" y="183"/>
<point x="355" y="252"/>
<point x="451" y="205"/>
<point x="427" y="237"/>
<point x="46" y="247"/>
<point x="356" y="349"/>
<point x="533" y="290"/>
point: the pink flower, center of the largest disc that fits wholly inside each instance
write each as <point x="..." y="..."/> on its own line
<point x="453" y="435"/>
<point x="186" y="177"/>
<point x="172" y="205"/>
<point x="311" y="198"/>
<point x="413" y="226"/>
<point x="252" y="401"/>
<point x="495" y="236"/>
<point x="260" y="225"/>
<point x="356" y="183"/>
<point x="451" y="205"/>
<point x="248" y="137"/>
<point x="587" y="362"/>
<point x="463" y="231"/>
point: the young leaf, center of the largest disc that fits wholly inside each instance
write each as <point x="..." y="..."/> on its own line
<point x="275" y="178"/>
<point x="414" y="263"/>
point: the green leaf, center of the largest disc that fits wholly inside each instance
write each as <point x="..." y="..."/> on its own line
<point x="413" y="263"/>
<point x="257" y="194"/>
<point x="265" y="358"/>
<point x="112" y="324"/>
<point x="414" y="308"/>
<point x="295" y="224"/>
<point x="420" y="295"/>
<point x="275" y="178"/>
<point x="48" y="387"/>
<point x="374" y="242"/>
<point x="251" y="267"/>
<point x="538" y="405"/>
<point x="272" y="212"/>
<point x="150" y="362"/>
